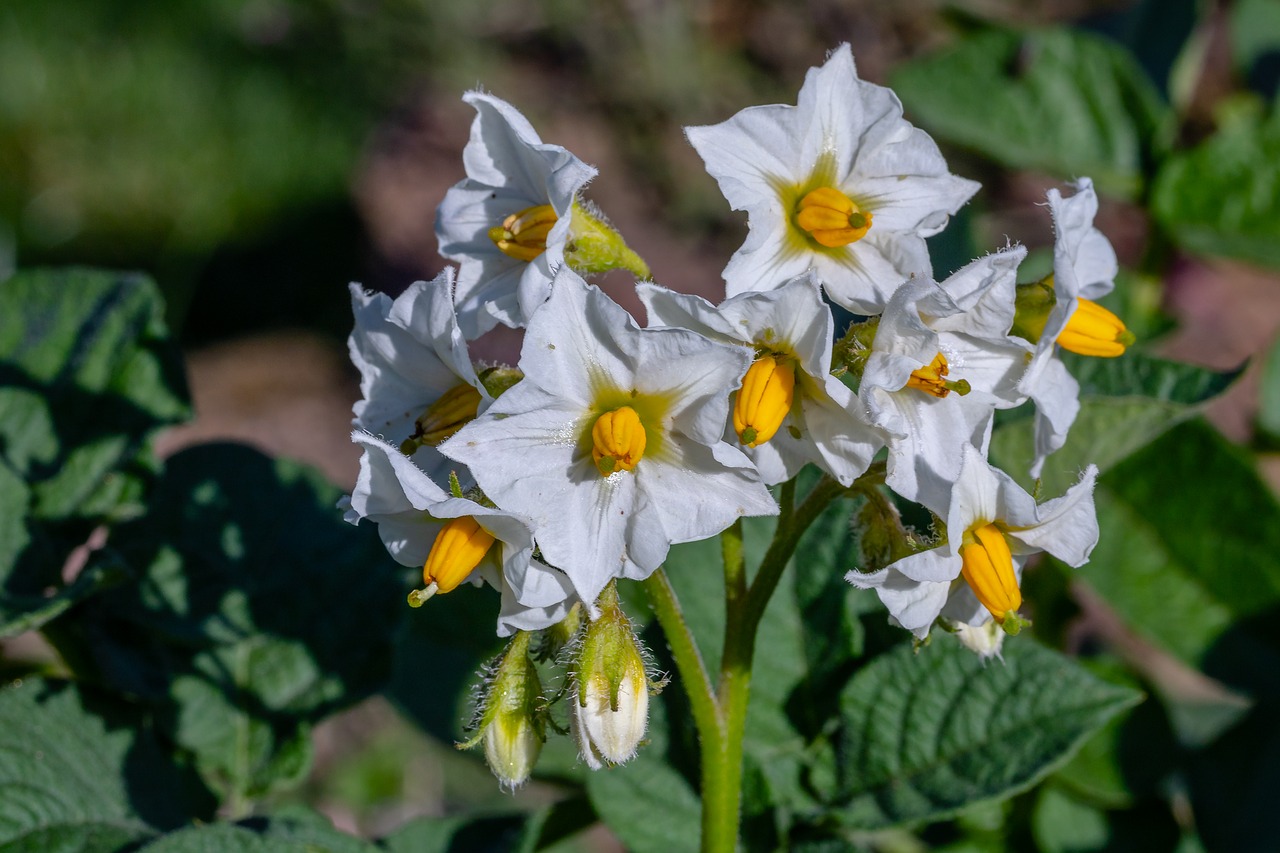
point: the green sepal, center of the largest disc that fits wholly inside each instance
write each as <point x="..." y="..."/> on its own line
<point x="1032" y="305"/>
<point x="594" y="246"/>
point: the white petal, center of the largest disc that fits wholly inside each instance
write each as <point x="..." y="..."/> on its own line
<point x="1068" y="526"/>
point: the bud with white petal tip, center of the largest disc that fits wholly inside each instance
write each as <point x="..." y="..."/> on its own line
<point x="610" y="698"/>
<point x="511" y="715"/>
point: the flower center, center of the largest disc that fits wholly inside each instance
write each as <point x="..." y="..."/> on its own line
<point x="832" y="218"/>
<point x="455" y="408"/>
<point x="988" y="569"/>
<point x="764" y="400"/>
<point x="1093" y="330"/>
<point x="459" y="547"/>
<point x="932" y="379"/>
<point x="617" y="441"/>
<point x="523" y="235"/>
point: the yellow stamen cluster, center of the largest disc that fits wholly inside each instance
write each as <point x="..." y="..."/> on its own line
<point x="832" y="218"/>
<point x="932" y="379"/>
<point x="617" y="441"/>
<point x="767" y="392"/>
<point x="988" y="569"/>
<point x="459" y="547"/>
<point x="455" y="408"/>
<point x="523" y="235"/>
<point x="1093" y="330"/>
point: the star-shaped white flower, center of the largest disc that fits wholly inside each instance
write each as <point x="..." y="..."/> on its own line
<point x="940" y="365"/>
<point x="840" y="183"/>
<point x="611" y="445"/>
<point x="506" y="224"/>
<point x="411" y="354"/>
<point x="410" y="511"/>
<point x="1084" y="267"/>
<point x="793" y="327"/>
<point x="992" y="527"/>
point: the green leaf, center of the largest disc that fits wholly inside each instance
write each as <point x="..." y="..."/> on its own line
<point x="927" y="734"/>
<point x="88" y="376"/>
<point x="79" y="771"/>
<point x="296" y="830"/>
<point x="1222" y="198"/>
<point x="647" y="803"/>
<point x="257" y="611"/>
<point x="1255" y="31"/>
<point x="519" y="832"/>
<point x="1137" y="374"/>
<point x="1183" y="555"/>
<point x="1056" y="100"/>
<point x="1125" y="404"/>
<point x="1269" y="393"/>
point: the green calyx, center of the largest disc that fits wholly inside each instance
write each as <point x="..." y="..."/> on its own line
<point x="594" y="246"/>
<point x="499" y="378"/>
<point x="850" y="353"/>
<point x="1032" y="305"/>
<point x="511" y="699"/>
<point x="610" y="652"/>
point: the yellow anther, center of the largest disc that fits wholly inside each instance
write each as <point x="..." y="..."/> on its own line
<point x="767" y="392"/>
<point x="455" y="408"/>
<point x="523" y="235"/>
<point x="932" y="379"/>
<point x="832" y="218"/>
<point x="1093" y="330"/>
<point x="617" y="440"/>
<point x="988" y="569"/>
<point x="459" y="547"/>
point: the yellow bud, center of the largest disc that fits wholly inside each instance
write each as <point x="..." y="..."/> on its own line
<point x="1093" y="330"/>
<point x="832" y="218"/>
<point x="458" y="549"/>
<point x="523" y="235"/>
<point x="932" y="379"/>
<point x="767" y="392"/>
<point x="617" y="440"/>
<point x="988" y="569"/>
<point x="444" y="417"/>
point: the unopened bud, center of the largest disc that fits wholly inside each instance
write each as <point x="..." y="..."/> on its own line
<point x="611" y="690"/>
<point x="594" y="246"/>
<point x="511" y="719"/>
<point x="983" y="640"/>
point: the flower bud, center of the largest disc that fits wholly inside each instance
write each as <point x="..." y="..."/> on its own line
<point x="611" y="689"/>
<point x="511" y="717"/>
<point x="594" y="246"/>
<point x="983" y="640"/>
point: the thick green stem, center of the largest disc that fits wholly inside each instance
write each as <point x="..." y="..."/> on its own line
<point x="693" y="673"/>
<point x="791" y="526"/>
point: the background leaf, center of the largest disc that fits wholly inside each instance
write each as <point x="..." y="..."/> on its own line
<point x="88" y="376"/>
<point x="1222" y="198"/>
<point x="257" y="610"/>
<point x="927" y="734"/>
<point x="1125" y="404"/>
<point x="1056" y="100"/>
<point x="81" y="771"/>
<point x="1182" y="564"/>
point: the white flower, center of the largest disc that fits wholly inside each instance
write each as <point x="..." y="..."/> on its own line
<point x="992" y="527"/>
<point x="793" y="327"/>
<point x="611" y="444"/>
<point x="840" y="183"/>
<point x="940" y="365"/>
<point x="411" y="354"/>
<point x="410" y="509"/>
<point x="1084" y="267"/>
<point x="514" y="182"/>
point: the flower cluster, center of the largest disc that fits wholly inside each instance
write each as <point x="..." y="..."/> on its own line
<point x="608" y="442"/>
